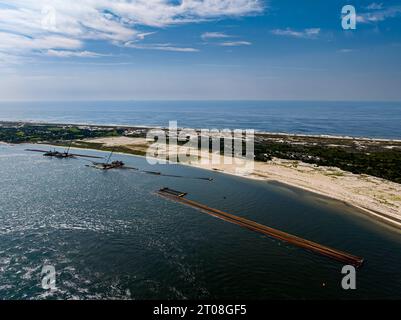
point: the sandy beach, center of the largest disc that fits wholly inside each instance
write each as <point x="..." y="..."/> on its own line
<point x="376" y="197"/>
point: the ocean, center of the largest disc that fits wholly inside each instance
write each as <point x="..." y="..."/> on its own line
<point x="356" y="119"/>
<point x="109" y="236"/>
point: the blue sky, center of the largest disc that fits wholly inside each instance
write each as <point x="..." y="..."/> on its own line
<point x="198" y="49"/>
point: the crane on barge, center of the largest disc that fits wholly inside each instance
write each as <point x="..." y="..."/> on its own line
<point x="121" y="165"/>
<point x="110" y="165"/>
<point x="62" y="155"/>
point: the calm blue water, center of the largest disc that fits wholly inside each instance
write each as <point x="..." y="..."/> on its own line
<point x="109" y="236"/>
<point x="361" y="119"/>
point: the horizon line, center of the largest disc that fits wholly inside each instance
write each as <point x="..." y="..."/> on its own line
<point x="200" y="100"/>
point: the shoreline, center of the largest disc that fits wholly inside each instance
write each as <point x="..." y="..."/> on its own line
<point x="257" y="133"/>
<point x="382" y="217"/>
<point x="377" y="198"/>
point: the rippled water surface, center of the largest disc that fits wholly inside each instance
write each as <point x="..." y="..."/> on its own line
<point x="110" y="236"/>
<point x="358" y="119"/>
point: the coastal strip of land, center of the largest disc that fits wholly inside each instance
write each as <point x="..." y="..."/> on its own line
<point x="375" y="196"/>
<point x="361" y="172"/>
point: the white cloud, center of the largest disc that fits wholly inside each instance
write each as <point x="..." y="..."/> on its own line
<point x="39" y="25"/>
<point x="235" y="43"/>
<point x="160" y="47"/>
<point x="221" y="35"/>
<point x="142" y="36"/>
<point x="15" y="43"/>
<point x="214" y="35"/>
<point x="346" y="50"/>
<point x="375" y="6"/>
<point x="311" y="33"/>
<point x="174" y="49"/>
<point x="378" y="13"/>
<point x="69" y="54"/>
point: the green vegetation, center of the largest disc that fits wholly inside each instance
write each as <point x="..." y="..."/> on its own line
<point x="33" y="133"/>
<point x="360" y="156"/>
<point x="374" y="160"/>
